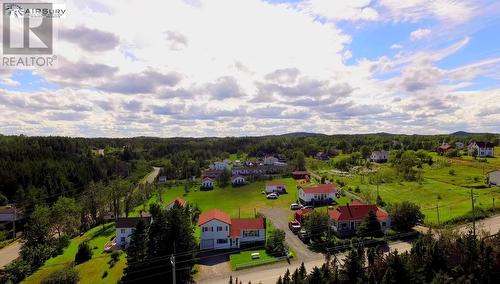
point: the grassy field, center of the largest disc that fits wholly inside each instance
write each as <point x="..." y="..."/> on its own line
<point x="447" y="184"/>
<point x="91" y="271"/>
<point x="244" y="199"/>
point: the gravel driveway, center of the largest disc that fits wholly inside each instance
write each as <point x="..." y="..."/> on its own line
<point x="9" y="253"/>
<point x="279" y="218"/>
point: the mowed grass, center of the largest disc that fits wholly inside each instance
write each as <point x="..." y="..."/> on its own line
<point x="244" y="259"/>
<point x="232" y="200"/>
<point x="92" y="270"/>
<point x="446" y="184"/>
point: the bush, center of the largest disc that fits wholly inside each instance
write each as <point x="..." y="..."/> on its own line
<point x="67" y="275"/>
<point x="275" y="244"/>
<point x="451" y="172"/>
<point x="357" y="189"/>
<point x="84" y="253"/>
<point x="3" y="200"/>
<point x="105" y="274"/>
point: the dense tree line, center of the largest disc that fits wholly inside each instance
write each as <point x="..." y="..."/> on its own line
<point x="445" y="259"/>
<point x="151" y="246"/>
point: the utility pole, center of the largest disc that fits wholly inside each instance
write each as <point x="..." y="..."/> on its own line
<point x="473" y="214"/>
<point x="14" y="222"/>
<point x="172" y="261"/>
<point x="437" y="209"/>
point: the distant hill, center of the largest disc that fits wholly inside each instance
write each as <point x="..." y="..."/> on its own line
<point x="300" y="134"/>
<point x="463" y="133"/>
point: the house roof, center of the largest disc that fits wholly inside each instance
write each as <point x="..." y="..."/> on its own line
<point x="207" y="179"/>
<point x="300" y="173"/>
<point x="482" y="144"/>
<point x="131" y="222"/>
<point x="357" y="211"/>
<point x="302" y="212"/>
<point x="7" y="210"/>
<point x="275" y="183"/>
<point x="179" y="201"/>
<point x="214" y="214"/>
<point x="320" y="188"/>
<point x="237" y="225"/>
<point x="445" y="147"/>
<point x="238" y="176"/>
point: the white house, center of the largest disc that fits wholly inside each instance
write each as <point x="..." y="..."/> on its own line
<point x="207" y="182"/>
<point x="270" y="160"/>
<point x="219" y="231"/>
<point x="9" y="214"/>
<point x="345" y="220"/>
<point x="275" y="186"/>
<point x="484" y="149"/>
<point x="126" y="226"/>
<point x="238" y="180"/>
<point x="320" y="193"/>
<point x="379" y="156"/>
<point x="219" y="166"/>
<point x="494" y="178"/>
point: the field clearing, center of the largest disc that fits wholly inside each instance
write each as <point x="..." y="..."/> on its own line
<point x="92" y="270"/>
<point x="244" y="199"/>
<point x="447" y="184"/>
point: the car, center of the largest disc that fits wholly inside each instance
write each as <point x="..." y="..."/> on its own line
<point x="294" y="226"/>
<point x="295" y="206"/>
<point x="272" y="196"/>
<point x="308" y="207"/>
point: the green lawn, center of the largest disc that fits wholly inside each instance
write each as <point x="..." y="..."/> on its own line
<point x="92" y="270"/>
<point x="244" y="199"/>
<point x="449" y="190"/>
<point x="244" y="259"/>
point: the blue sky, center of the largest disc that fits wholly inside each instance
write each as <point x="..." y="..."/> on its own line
<point x="254" y="67"/>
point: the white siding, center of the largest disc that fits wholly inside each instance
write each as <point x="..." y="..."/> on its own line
<point x="248" y="239"/>
<point x="123" y="235"/>
<point x="218" y="232"/>
<point x="275" y="188"/>
<point x="308" y="197"/>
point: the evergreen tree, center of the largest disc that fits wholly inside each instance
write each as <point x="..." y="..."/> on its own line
<point x="352" y="270"/>
<point x="370" y="227"/>
<point x="136" y="251"/>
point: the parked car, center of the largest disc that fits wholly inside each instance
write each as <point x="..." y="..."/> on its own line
<point x="308" y="207"/>
<point x="295" y="206"/>
<point x="303" y="236"/>
<point x="272" y="196"/>
<point x="294" y="226"/>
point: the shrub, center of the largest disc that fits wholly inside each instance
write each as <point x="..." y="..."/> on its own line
<point x="3" y="200"/>
<point x="84" y="253"/>
<point x="357" y="189"/>
<point x="452" y="172"/>
<point x="105" y="274"/>
<point x="275" y="244"/>
<point x="66" y="275"/>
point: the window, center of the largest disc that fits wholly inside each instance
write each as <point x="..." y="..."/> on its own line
<point x="212" y="229"/>
<point x="219" y="228"/>
<point x="250" y="233"/>
<point x="227" y="228"/>
<point x="222" y="241"/>
<point x="383" y="224"/>
<point x="122" y="231"/>
<point x="204" y="229"/>
<point x="133" y="230"/>
<point x="122" y="239"/>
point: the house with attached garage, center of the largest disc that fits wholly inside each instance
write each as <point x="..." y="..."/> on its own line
<point x="318" y="194"/>
<point x="346" y="219"/>
<point x="275" y="186"/>
<point x="219" y="231"/>
<point x="494" y="178"/>
<point x="126" y="226"/>
<point x="483" y="149"/>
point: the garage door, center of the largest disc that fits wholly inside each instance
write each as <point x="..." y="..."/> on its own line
<point x="207" y="244"/>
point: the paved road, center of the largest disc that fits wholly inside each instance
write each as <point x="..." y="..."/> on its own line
<point x="269" y="274"/>
<point x="9" y="253"/>
<point x="489" y="225"/>
<point x="151" y="177"/>
<point x="279" y="218"/>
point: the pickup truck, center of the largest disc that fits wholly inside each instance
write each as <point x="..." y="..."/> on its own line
<point x="294" y="226"/>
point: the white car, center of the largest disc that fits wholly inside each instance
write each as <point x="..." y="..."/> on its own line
<point x="295" y="206"/>
<point x="272" y="196"/>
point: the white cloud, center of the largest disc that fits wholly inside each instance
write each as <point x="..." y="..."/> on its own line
<point x="396" y="46"/>
<point x="352" y="10"/>
<point x="420" y="34"/>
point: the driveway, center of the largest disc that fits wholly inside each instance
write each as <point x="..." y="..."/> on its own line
<point x="151" y="177"/>
<point x="279" y="218"/>
<point x="490" y="225"/>
<point x="9" y="253"/>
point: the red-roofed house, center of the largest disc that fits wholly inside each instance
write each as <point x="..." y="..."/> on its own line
<point x="301" y="175"/>
<point x="275" y="186"/>
<point x="443" y="148"/>
<point x="179" y="201"/>
<point x="219" y="231"/>
<point x="346" y="219"/>
<point x="318" y="194"/>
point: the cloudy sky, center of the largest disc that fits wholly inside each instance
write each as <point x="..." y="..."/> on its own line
<point x="254" y="67"/>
